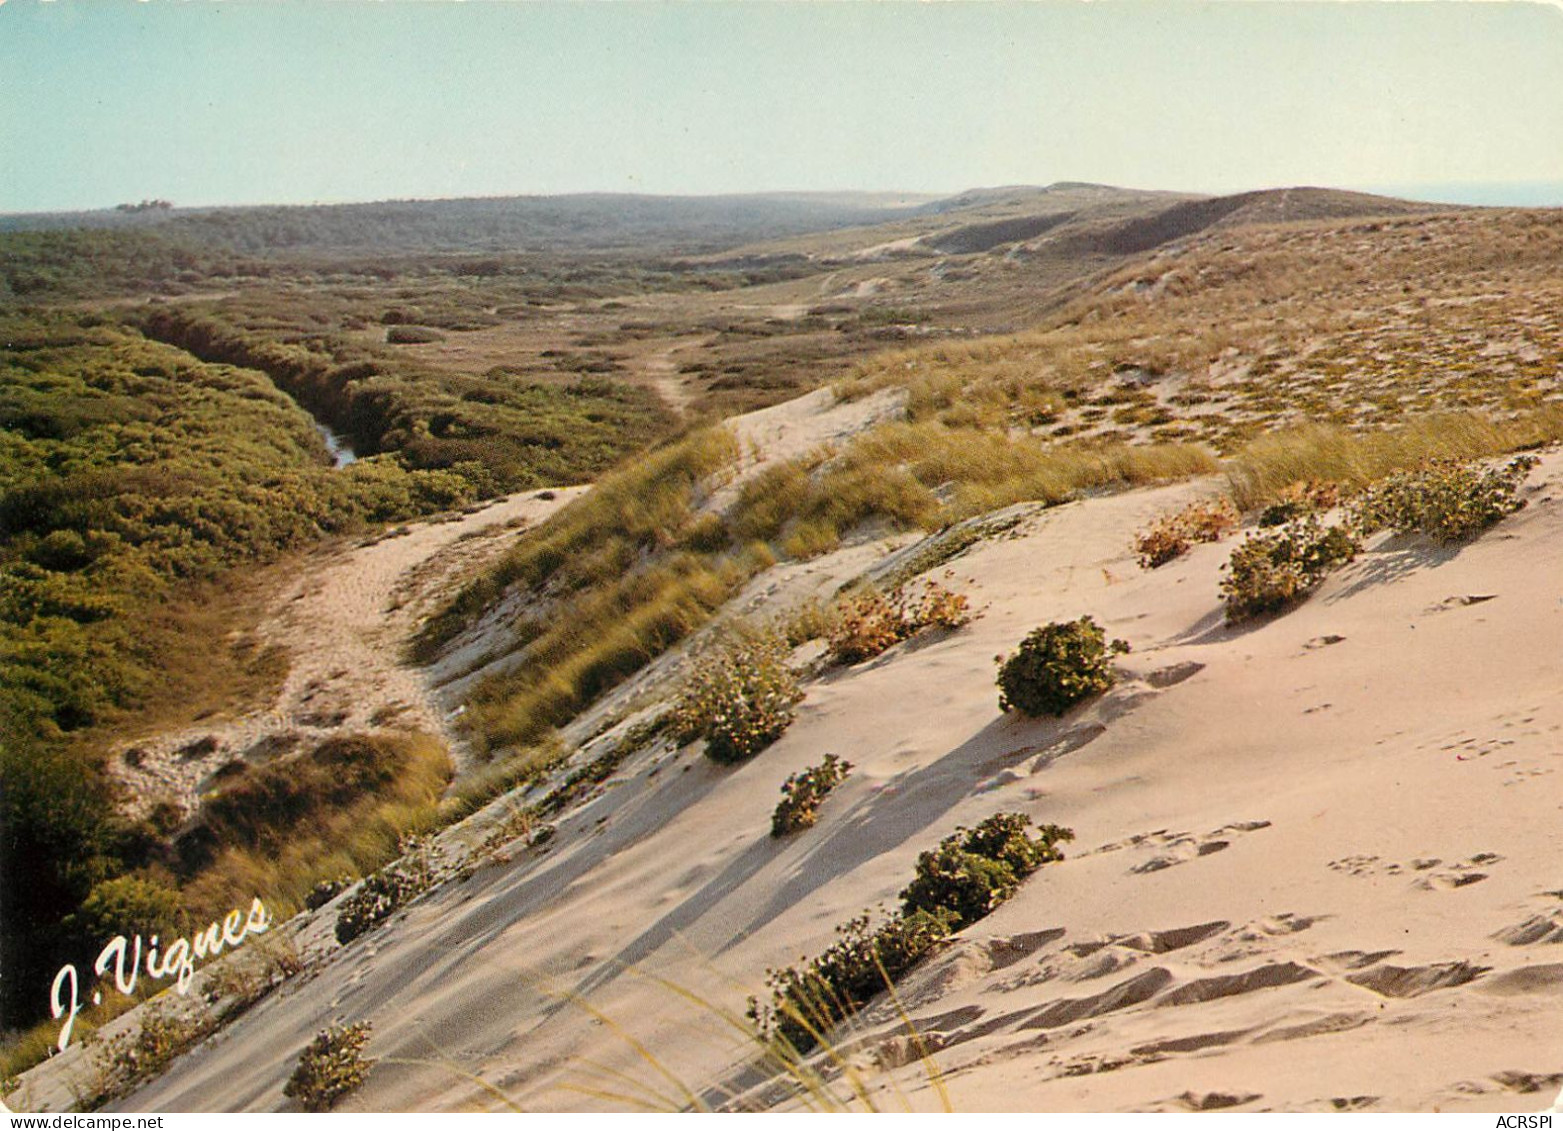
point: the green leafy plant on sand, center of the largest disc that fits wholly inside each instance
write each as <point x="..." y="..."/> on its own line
<point x="1057" y="666"/>
<point x="331" y="1066"/>
<point x="1446" y="500"/>
<point x="129" y="1057"/>
<point x="1273" y="570"/>
<point x="1304" y="497"/>
<point x="804" y="792"/>
<point x="386" y="890"/>
<point x="326" y="890"/>
<point x="739" y="697"/>
<point x="972" y="872"/>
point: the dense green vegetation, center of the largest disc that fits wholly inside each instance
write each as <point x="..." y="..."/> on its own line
<point x="132" y="477"/>
<point x="55" y="264"/>
<point x="598" y="221"/>
<point x="498" y="433"/>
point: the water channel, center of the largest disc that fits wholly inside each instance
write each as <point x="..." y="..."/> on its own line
<point x="341" y="451"/>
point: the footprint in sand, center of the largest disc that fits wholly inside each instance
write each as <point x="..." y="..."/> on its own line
<point x="1545" y="926"/>
<point x="1174" y="674"/>
<point x="1464" y="600"/>
<point x="1414" y="981"/>
<point x="1214" y="1101"/>
<point x="1171" y="849"/>
<point x="1446" y="878"/>
<point x="1510" y="1080"/>
<point x="1459" y="875"/>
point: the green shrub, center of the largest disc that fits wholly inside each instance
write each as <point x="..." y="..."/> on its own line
<point x="806" y="1001"/>
<point x="1446" y="500"/>
<point x="971" y="873"/>
<point x="1275" y="569"/>
<point x="131" y="1056"/>
<point x="739" y="697"/>
<point x="974" y="870"/>
<point x="1305" y="497"/>
<point x="331" y="1066"/>
<point x="803" y="793"/>
<point x="1057" y="666"/>
<point x="325" y="891"/>
<point x="128" y="905"/>
<point x="383" y="892"/>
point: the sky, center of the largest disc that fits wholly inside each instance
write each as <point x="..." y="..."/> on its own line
<point x="109" y="101"/>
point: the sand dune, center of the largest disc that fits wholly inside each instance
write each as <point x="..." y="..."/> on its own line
<point x="1315" y="865"/>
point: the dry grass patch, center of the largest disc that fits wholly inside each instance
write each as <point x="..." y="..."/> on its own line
<point x="342" y="807"/>
<point x="598" y="639"/>
<point x="631" y="512"/>
<point x="1271" y="464"/>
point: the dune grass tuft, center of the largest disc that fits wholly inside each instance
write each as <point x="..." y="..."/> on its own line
<point x="343" y="808"/>
<point x="1271" y="463"/>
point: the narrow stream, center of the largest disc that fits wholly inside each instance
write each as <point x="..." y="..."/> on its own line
<point x="341" y="451"/>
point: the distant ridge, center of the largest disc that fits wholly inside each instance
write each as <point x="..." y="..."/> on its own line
<point x="595" y="221"/>
<point x="1265" y="206"/>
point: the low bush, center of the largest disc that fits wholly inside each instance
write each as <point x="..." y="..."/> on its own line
<point x="863" y="627"/>
<point x="127" y="905"/>
<point x="325" y="891"/>
<point x="739" y="697"/>
<point x="866" y="625"/>
<point x="1304" y="497"/>
<point x="331" y="1066"/>
<point x="1446" y="500"/>
<point x="1275" y="569"/>
<point x="1171" y="535"/>
<point x="1057" y="666"/>
<point x="971" y="873"/>
<point x="383" y="892"/>
<point x="807" y="1000"/>
<point x="974" y="870"/>
<point x="804" y="792"/>
<point x="131" y="1056"/>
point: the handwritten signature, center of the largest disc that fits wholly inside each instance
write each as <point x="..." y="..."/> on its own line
<point x="176" y="960"/>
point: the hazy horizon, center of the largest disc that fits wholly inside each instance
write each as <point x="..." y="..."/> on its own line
<point x="252" y="104"/>
<point x="1496" y="194"/>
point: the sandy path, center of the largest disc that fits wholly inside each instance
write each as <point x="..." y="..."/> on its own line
<point x="662" y="371"/>
<point x="344" y="619"/>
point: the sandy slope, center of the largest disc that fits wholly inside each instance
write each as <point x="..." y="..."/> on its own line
<point x="1316" y="863"/>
